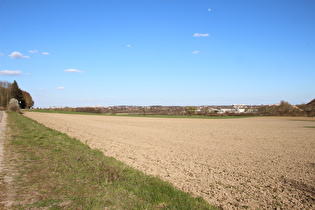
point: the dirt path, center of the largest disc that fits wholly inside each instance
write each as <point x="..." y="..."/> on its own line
<point x="2" y="125"/>
<point x="250" y="162"/>
<point x="8" y="172"/>
<point x="3" y="178"/>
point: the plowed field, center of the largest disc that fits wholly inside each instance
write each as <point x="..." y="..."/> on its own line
<point x="233" y="163"/>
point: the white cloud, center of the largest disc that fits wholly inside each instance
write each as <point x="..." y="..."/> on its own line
<point x="45" y="53"/>
<point x="11" y="73"/>
<point x="200" y="35"/>
<point x="73" y="70"/>
<point x="33" y="51"/>
<point x="17" y="55"/>
<point x="128" y="45"/>
<point x="196" y="52"/>
<point x="209" y="9"/>
<point x="60" y="88"/>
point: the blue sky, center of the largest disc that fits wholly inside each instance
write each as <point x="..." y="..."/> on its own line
<point x="159" y="52"/>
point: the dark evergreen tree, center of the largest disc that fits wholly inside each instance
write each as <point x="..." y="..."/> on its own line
<point x="16" y="93"/>
<point x="11" y="90"/>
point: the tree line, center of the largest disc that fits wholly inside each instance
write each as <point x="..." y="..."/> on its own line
<point x="282" y="109"/>
<point x="11" y="90"/>
<point x="286" y="109"/>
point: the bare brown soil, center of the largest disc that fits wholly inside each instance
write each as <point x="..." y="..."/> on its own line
<point x="233" y="163"/>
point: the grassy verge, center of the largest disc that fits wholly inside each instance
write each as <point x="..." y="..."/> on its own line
<point x="140" y="115"/>
<point x="59" y="172"/>
<point x="185" y="116"/>
<point x="62" y="112"/>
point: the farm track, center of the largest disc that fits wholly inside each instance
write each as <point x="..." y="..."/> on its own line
<point x="7" y="173"/>
<point x="233" y="163"/>
<point x="3" y="184"/>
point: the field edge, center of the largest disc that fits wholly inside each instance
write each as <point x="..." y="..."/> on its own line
<point x="53" y="168"/>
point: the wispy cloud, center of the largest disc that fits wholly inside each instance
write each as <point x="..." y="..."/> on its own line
<point x="33" y="51"/>
<point x="45" y="53"/>
<point x="196" y="52"/>
<point x="200" y="35"/>
<point x="17" y="55"/>
<point x="73" y="70"/>
<point x="209" y="9"/>
<point x="128" y="45"/>
<point x="1" y="54"/>
<point x="60" y="88"/>
<point x="10" y="73"/>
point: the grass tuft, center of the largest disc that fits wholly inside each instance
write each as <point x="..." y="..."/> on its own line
<point x="59" y="172"/>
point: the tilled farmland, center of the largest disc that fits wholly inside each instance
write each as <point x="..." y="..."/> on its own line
<point x="262" y="162"/>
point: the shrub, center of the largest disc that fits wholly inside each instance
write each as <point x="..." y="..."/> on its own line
<point x="14" y="105"/>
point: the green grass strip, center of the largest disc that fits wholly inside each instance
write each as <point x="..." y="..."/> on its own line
<point x="61" y="112"/>
<point x="185" y="116"/>
<point x="141" y="115"/>
<point x="60" y="172"/>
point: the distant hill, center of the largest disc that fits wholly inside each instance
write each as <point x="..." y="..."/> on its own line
<point x="311" y="103"/>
